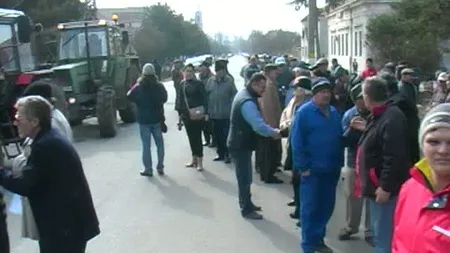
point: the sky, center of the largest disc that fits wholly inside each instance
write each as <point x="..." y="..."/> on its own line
<point x="231" y="17"/>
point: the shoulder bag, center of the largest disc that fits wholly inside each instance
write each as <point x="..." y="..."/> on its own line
<point x="196" y="113"/>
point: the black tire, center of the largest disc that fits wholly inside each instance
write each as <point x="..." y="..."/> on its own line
<point x="128" y="115"/>
<point x="106" y="112"/>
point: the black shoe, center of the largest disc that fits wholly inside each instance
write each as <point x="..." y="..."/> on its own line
<point x="345" y="234"/>
<point x="257" y="208"/>
<point x="227" y="160"/>
<point x="147" y="173"/>
<point x="274" y="180"/>
<point x="278" y="170"/>
<point x="218" y="158"/>
<point x="369" y="240"/>
<point x="291" y="203"/>
<point x="294" y="215"/>
<point x="253" y="216"/>
<point x="323" y="248"/>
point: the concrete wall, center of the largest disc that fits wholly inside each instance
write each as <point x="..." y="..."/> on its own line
<point x="323" y="38"/>
<point x="347" y="30"/>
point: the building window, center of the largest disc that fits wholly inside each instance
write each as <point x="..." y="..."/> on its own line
<point x="331" y="44"/>
<point x="339" y="45"/>
<point x="360" y="44"/>
<point x="346" y="44"/>
<point x="355" y="45"/>
<point x="343" y="44"/>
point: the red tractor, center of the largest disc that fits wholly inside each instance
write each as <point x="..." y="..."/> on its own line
<point x="18" y="69"/>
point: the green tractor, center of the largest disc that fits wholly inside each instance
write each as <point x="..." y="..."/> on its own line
<point x="96" y="66"/>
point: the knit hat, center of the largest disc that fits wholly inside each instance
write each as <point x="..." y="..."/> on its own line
<point x="437" y="117"/>
<point x="39" y="88"/>
<point x="319" y="84"/>
<point x="220" y="64"/>
<point x="356" y="92"/>
<point x="148" y="69"/>
<point x="303" y="82"/>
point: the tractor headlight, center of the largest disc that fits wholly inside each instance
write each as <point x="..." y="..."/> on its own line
<point x="71" y="100"/>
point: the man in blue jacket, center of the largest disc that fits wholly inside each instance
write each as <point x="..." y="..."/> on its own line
<point x="317" y="151"/>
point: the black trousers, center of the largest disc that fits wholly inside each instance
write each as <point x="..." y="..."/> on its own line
<point x="221" y="128"/>
<point x="208" y="131"/>
<point x="194" y="132"/>
<point x="268" y="149"/>
<point x="4" y="239"/>
<point x="62" y="246"/>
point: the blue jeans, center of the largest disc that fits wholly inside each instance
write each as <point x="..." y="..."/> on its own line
<point x="243" y="166"/>
<point x="382" y="222"/>
<point x="146" y="132"/>
<point x="317" y="200"/>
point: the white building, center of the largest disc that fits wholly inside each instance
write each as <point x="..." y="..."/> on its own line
<point x="347" y="30"/>
<point x="323" y="39"/>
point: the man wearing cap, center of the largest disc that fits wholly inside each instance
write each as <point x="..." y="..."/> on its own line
<point x="407" y="87"/>
<point x="268" y="153"/>
<point x="251" y="68"/>
<point x="441" y="93"/>
<point x="341" y="99"/>
<point x="320" y="69"/>
<point x="352" y="134"/>
<point x="220" y="91"/>
<point x="284" y="78"/>
<point x="383" y="160"/>
<point x="205" y="75"/>
<point x="318" y="157"/>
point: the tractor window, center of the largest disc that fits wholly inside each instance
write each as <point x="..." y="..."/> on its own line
<point x="115" y="41"/>
<point x="8" y="59"/>
<point x="73" y="43"/>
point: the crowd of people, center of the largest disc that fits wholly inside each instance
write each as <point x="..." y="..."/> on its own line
<point x="362" y="127"/>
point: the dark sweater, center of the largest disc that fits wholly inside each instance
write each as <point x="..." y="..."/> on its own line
<point x="149" y="97"/>
<point x="195" y="94"/>
<point x="383" y="153"/>
<point x="59" y="194"/>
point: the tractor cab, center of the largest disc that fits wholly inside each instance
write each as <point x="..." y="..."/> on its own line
<point x="96" y="64"/>
<point x="15" y="58"/>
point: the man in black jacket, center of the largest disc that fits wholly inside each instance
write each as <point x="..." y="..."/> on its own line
<point x="54" y="182"/>
<point x="4" y="239"/>
<point x="383" y="160"/>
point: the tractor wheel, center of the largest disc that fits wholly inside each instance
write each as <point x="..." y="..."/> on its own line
<point x="106" y="112"/>
<point x="128" y="115"/>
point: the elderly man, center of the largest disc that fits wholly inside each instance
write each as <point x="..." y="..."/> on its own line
<point x="60" y="199"/>
<point x="318" y="158"/>
<point x="245" y="127"/>
<point x="221" y="90"/>
<point x="383" y="159"/>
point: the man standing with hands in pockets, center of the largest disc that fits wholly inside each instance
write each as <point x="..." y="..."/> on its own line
<point x="318" y="157"/>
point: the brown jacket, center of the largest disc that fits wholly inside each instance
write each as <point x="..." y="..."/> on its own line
<point x="270" y="105"/>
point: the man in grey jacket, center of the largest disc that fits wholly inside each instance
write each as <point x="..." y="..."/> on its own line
<point x="221" y="90"/>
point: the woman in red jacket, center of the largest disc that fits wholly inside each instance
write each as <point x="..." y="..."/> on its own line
<point x="422" y="216"/>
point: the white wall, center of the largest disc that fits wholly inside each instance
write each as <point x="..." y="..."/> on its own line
<point x="347" y="31"/>
<point x="323" y="35"/>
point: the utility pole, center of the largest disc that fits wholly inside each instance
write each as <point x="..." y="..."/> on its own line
<point x="312" y="31"/>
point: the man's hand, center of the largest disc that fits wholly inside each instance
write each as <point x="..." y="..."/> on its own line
<point x="276" y="135"/>
<point x="381" y="195"/>
<point x="358" y="123"/>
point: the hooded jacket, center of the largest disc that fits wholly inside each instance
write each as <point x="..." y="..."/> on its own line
<point x="422" y="216"/>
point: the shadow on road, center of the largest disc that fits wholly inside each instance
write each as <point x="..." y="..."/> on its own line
<point x="284" y="240"/>
<point x="183" y="198"/>
<point x="214" y="181"/>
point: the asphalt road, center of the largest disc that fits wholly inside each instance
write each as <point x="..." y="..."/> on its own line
<point x="185" y="211"/>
